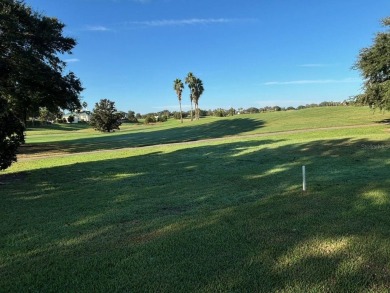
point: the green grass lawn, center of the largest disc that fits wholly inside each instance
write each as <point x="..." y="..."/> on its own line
<point x="216" y="215"/>
<point x="65" y="138"/>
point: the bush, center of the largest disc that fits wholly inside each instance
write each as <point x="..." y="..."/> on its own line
<point x="163" y="118"/>
<point x="132" y="119"/>
<point x="71" y="119"/>
<point x="219" y="113"/>
<point x="149" y="119"/>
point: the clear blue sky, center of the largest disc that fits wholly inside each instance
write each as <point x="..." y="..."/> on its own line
<point x="247" y="52"/>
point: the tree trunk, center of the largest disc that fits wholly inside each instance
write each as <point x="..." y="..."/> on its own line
<point x="24" y="117"/>
<point x="181" y="114"/>
<point x="192" y="118"/>
<point x="196" y="110"/>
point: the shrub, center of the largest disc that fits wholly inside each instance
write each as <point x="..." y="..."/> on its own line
<point x="219" y="113"/>
<point x="70" y="119"/>
<point x="163" y="118"/>
<point x="149" y="119"/>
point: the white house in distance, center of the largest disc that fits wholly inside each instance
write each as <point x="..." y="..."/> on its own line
<point x="83" y="116"/>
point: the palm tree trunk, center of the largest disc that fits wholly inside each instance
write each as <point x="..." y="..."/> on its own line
<point x="196" y="109"/>
<point x="192" y="118"/>
<point x="181" y="113"/>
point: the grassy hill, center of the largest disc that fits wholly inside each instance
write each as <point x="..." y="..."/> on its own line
<point x="65" y="138"/>
<point x="222" y="212"/>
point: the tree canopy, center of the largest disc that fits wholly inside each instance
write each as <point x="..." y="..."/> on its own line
<point x="31" y="71"/>
<point x="374" y="65"/>
<point x="105" y="116"/>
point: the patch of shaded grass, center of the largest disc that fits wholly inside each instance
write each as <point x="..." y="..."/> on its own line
<point x="214" y="129"/>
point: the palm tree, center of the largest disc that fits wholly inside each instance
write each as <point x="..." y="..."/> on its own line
<point x="199" y="89"/>
<point x="190" y="80"/>
<point x="178" y="86"/>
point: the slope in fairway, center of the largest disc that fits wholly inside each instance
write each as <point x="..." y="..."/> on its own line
<point x="217" y="215"/>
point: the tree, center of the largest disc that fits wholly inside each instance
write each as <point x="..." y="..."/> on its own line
<point x="190" y="81"/>
<point x="150" y="118"/>
<point x="252" y="110"/>
<point x="45" y="115"/>
<point x="374" y="66"/>
<point x="198" y="91"/>
<point x="11" y="135"/>
<point x="31" y="72"/>
<point x="231" y="111"/>
<point x="131" y="117"/>
<point x="178" y="86"/>
<point x="105" y="117"/>
<point x="219" y="112"/>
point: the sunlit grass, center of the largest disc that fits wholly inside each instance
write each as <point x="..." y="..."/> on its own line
<point x="263" y="123"/>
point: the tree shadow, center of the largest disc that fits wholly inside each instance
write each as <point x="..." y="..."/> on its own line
<point x="62" y="127"/>
<point x="227" y="217"/>
<point x="216" y="129"/>
<point x="383" y="121"/>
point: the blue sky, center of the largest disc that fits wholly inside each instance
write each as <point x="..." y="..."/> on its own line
<point x="248" y="53"/>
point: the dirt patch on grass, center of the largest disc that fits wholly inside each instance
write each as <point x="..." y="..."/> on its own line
<point x="39" y="150"/>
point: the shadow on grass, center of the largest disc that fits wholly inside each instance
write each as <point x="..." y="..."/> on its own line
<point x="229" y="217"/>
<point x="56" y="126"/>
<point x="216" y="129"/>
<point x="384" y="121"/>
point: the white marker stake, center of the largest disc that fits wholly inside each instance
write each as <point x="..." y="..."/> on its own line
<point x="304" y="178"/>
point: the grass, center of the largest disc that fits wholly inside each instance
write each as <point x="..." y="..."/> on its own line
<point x="58" y="138"/>
<point x="217" y="215"/>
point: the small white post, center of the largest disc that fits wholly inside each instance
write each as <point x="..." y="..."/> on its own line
<point x="304" y="178"/>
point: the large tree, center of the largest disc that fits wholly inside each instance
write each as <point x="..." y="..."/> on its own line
<point x="178" y="86"/>
<point x="32" y="75"/>
<point x="105" y="117"/>
<point x="31" y="72"/>
<point x="374" y="65"/>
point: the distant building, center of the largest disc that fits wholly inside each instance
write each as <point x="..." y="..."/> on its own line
<point x="84" y="116"/>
